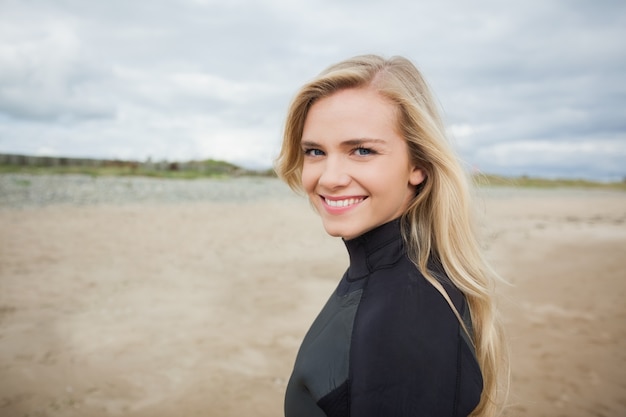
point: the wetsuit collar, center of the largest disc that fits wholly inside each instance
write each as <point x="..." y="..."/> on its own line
<point x="376" y="249"/>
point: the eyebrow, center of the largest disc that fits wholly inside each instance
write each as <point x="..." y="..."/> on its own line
<point x="349" y="142"/>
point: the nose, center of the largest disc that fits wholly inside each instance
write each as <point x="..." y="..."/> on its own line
<point x="334" y="173"/>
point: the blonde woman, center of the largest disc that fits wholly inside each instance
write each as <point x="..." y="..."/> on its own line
<point x="411" y="329"/>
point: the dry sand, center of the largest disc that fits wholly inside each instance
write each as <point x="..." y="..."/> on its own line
<point x="198" y="308"/>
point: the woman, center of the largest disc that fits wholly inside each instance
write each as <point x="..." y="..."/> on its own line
<point x="411" y="329"/>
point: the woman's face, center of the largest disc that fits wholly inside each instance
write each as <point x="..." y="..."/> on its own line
<point x="356" y="172"/>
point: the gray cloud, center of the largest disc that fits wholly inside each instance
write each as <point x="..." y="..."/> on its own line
<point x="527" y="87"/>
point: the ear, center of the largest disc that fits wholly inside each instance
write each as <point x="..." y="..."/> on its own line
<point x="416" y="176"/>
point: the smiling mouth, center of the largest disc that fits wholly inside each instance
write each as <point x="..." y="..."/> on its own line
<point x="347" y="202"/>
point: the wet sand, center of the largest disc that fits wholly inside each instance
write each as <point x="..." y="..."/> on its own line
<point x="197" y="308"/>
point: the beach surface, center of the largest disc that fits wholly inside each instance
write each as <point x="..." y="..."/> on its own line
<point x="146" y="297"/>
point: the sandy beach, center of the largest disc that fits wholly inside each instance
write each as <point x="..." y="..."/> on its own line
<point x="154" y="298"/>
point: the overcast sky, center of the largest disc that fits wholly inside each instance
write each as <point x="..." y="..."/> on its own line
<point x="534" y="87"/>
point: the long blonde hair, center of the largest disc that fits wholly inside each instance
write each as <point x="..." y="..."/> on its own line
<point x="438" y="221"/>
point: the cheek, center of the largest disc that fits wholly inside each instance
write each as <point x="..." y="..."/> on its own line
<point x="371" y="179"/>
<point x="393" y="185"/>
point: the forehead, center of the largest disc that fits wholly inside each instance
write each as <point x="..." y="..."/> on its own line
<point x="350" y="114"/>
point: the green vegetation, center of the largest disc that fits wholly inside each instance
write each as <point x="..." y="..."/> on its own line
<point x="21" y="183"/>
<point x="188" y="170"/>
<point x="105" y="171"/>
<point x="530" y="182"/>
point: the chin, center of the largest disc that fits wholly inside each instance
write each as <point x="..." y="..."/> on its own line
<point x="334" y="232"/>
<point x="341" y="231"/>
<point x="333" y="229"/>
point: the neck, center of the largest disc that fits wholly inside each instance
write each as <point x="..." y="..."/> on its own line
<point x="378" y="248"/>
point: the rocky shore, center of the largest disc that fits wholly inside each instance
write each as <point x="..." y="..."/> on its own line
<point x="25" y="190"/>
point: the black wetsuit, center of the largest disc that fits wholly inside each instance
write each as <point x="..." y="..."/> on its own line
<point x="386" y="344"/>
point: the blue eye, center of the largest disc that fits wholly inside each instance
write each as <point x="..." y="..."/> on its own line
<point x="363" y="151"/>
<point x="313" y="152"/>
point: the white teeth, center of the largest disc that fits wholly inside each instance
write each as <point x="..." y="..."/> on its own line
<point x="343" y="203"/>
